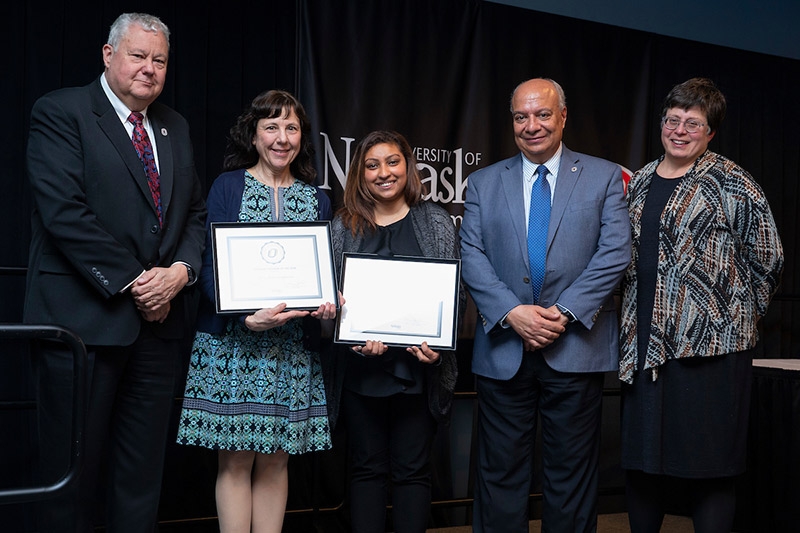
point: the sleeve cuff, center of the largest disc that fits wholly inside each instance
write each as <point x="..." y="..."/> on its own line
<point x="566" y="312"/>
<point x="129" y="285"/>
<point x="189" y="271"/>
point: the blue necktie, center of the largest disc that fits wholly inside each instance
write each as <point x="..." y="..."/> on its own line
<point x="538" y="222"/>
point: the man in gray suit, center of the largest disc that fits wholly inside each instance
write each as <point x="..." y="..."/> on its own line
<point x="544" y="241"/>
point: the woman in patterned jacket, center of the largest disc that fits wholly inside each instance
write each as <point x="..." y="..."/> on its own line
<point x="706" y="261"/>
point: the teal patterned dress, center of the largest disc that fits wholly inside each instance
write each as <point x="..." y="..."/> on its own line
<point x="260" y="391"/>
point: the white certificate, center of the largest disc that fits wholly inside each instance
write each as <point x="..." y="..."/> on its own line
<point x="258" y="265"/>
<point x="401" y="301"/>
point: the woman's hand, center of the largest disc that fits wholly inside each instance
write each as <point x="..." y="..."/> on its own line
<point x="327" y="310"/>
<point x="271" y="317"/>
<point x="371" y="349"/>
<point x="423" y="353"/>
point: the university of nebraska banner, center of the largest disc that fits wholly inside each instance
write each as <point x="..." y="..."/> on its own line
<point x="441" y="73"/>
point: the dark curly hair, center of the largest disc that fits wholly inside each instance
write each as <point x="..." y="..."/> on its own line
<point x="697" y="92"/>
<point x="242" y="154"/>
<point x="358" y="210"/>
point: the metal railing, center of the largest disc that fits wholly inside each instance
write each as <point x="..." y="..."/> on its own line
<point x="79" y="399"/>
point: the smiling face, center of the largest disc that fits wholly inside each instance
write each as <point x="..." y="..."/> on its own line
<point x="681" y="148"/>
<point x="136" y="69"/>
<point x="385" y="173"/>
<point x="538" y="120"/>
<point x="277" y="141"/>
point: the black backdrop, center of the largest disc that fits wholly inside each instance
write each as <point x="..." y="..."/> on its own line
<point x="439" y="72"/>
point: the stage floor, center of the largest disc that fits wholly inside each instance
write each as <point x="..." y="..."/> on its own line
<point x="606" y="523"/>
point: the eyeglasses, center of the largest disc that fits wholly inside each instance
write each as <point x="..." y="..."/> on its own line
<point x="691" y="126"/>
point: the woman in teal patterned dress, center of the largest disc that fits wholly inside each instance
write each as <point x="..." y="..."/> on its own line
<point x="254" y="391"/>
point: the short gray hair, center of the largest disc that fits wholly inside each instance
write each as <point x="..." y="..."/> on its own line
<point x="562" y="98"/>
<point x="148" y="23"/>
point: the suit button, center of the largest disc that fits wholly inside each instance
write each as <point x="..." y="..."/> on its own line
<point x="105" y="282"/>
<point x="148" y="266"/>
<point x="526" y="279"/>
<point x="94" y="270"/>
<point x="154" y="229"/>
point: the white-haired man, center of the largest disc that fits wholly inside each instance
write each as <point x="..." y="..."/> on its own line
<point x="117" y="232"/>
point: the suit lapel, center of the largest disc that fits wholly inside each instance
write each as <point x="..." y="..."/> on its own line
<point x="511" y="180"/>
<point x="165" y="160"/>
<point x="109" y="123"/>
<point x="568" y="172"/>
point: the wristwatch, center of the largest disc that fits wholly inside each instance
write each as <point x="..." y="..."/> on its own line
<point x="191" y="274"/>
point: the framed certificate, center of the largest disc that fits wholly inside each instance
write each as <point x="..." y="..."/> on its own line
<point x="258" y="265"/>
<point x="401" y="301"/>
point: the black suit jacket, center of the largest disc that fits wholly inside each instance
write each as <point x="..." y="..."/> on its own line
<point x="94" y="224"/>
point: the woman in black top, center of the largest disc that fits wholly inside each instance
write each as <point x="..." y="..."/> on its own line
<point x="390" y="399"/>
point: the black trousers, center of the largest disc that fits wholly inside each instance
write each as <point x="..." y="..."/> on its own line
<point x="130" y="397"/>
<point x="389" y="438"/>
<point x="569" y="405"/>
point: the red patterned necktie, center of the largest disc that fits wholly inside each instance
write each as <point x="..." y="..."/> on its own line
<point x="141" y="141"/>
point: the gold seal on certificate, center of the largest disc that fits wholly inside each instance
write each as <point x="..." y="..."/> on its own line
<point x="258" y="265"/>
<point x="400" y="301"/>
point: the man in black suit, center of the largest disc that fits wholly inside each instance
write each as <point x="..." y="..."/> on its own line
<point x="118" y="231"/>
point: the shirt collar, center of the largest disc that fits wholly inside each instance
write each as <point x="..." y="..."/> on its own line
<point x="122" y="110"/>
<point x="552" y="164"/>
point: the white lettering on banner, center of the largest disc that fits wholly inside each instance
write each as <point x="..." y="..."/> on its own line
<point x="432" y="155"/>
<point x="330" y="156"/>
<point x="471" y="158"/>
<point x="453" y="187"/>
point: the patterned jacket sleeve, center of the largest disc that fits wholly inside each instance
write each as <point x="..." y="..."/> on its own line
<point x="752" y="219"/>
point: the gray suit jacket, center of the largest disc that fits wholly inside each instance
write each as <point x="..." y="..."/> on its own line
<point x="588" y="249"/>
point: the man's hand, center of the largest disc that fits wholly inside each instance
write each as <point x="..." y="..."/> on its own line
<point x="537" y="326"/>
<point x="271" y="317"/>
<point x="158" y="286"/>
<point x="158" y="314"/>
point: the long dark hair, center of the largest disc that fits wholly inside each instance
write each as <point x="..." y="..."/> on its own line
<point x="271" y="104"/>
<point x="358" y="210"/>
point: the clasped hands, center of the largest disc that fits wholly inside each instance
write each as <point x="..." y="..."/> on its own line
<point x="155" y="288"/>
<point x="538" y="326"/>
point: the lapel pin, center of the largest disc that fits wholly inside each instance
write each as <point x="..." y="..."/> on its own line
<point x="574" y="169"/>
<point x="164" y="132"/>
